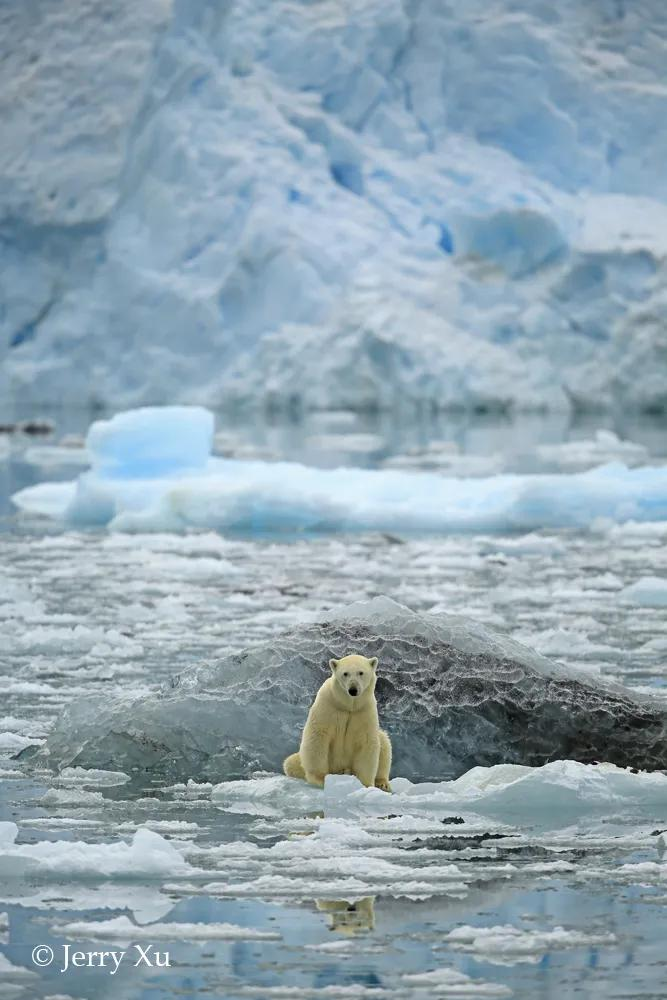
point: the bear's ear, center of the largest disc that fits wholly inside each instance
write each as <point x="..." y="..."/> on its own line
<point x="333" y="664"/>
<point x="373" y="662"/>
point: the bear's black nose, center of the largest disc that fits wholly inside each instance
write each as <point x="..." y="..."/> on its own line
<point x="353" y="692"/>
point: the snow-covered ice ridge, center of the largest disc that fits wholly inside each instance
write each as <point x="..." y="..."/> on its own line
<point x="151" y="470"/>
<point x="334" y="204"/>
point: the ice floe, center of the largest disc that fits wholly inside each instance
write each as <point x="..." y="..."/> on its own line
<point x="649" y="591"/>
<point x="507" y="945"/>
<point x="448" y="982"/>
<point x="123" y="929"/>
<point x="148" y="855"/>
<point x="553" y="795"/>
<point x="91" y="776"/>
<point x="579" y="455"/>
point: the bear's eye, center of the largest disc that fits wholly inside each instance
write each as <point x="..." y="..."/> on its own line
<point x="361" y="673"/>
<point x="346" y="674"/>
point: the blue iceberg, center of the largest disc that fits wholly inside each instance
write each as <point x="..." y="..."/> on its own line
<point x="152" y="471"/>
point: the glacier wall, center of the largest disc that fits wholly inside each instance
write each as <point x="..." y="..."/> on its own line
<point x="323" y="203"/>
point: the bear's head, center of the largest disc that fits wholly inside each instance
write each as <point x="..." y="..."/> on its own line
<point x="355" y="674"/>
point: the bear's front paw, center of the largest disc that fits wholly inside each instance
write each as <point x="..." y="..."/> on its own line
<point x="382" y="785"/>
<point x="315" y="779"/>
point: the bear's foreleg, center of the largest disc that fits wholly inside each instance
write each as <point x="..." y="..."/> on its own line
<point x="366" y="761"/>
<point x="314" y="755"/>
<point x="293" y="767"/>
<point x="384" y="763"/>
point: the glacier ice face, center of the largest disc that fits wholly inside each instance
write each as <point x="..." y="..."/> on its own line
<point x="363" y="204"/>
<point x="72" y="85"/>
<point x="452" y="694"/>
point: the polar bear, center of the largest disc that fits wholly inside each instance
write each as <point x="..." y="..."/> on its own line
<point x="342" y="734"/>
<point x="349" y="918"/>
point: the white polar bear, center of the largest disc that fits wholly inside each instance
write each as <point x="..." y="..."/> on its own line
<point x="342" y="734"/>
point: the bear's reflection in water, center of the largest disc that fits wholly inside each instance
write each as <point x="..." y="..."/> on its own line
<point x="349" y="918"/>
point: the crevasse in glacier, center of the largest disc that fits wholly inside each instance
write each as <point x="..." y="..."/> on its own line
<point x="334" y="203"/>
<point x="451" y="693"/>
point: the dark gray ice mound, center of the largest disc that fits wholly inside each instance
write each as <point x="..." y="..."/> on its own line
<point x="451" y="693"/>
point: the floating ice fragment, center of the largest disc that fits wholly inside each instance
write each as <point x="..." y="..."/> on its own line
<point x="10" y="973"/>
<point x="148" y="855"/>
<point x="509" y="945"/>
<point x="122" y="929"/>
<point x="48" y="456"/>
<point x="577" y="456"/>
<point x="447" y="982"/>
<point x="12" y="743"/>
<point x="91" y="776"/>
<point x="71" y="797"/>
<point x="649" y="592"/>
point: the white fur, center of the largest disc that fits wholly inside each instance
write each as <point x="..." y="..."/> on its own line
<point x="342" y="734"/>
